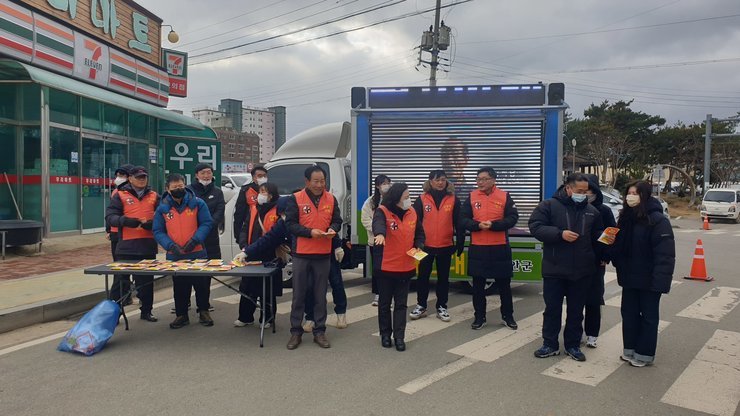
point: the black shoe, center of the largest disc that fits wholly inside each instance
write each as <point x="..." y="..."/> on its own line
<point x="478" y="323"/>
<point x="205" y="318"/>
<point x="400" y="345"/>
<point x="180" y="322"/>
<point x="148" y="317"/>
<point x="510" y="322"/>
<point x="386" y="342"/>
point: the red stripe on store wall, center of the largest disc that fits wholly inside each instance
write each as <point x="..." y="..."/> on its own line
<point x="145" y="92"/>
<point x="15" y="45"/>
<point x="54" y="60"/>
<point x="58" y="180"/>
<point x="122" y="84"/>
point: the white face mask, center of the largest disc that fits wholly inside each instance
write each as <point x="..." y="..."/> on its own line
<point x="406" y="203"/>
<point x="119" y="180"/>
<point x="633" y="200"/>
<point x="261" y="181"/>
<point x="205" y="183"/>
<point x="384" y="188"/>
<point x="261" y="199"/>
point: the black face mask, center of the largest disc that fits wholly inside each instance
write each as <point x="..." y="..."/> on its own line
<point x="177" y="193"/>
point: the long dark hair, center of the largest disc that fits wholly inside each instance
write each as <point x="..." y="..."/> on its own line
<point x="271" y="189"/>
<point x="376" y="195"/>
<point x="639" y="212"/>
<point x="393" y="196"/>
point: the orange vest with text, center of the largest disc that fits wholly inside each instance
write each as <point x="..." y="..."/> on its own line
<point x="251" y="196"/>
<point x="437" y="222"/>
<point x="270" y="219"/>
<point x="488" y="208"/>
<point x="399" y="238"/>
<point x="142" y="210"/>
<point x="112" y="194"/>
<point x="181" y="226"/>
<point x="311" y="217"/>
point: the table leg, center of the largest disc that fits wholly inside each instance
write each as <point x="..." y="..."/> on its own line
<point x="263" y="314"/>
<point x="3" y="233"/>
<point x="107" y="291"/>
<point x="273" y="305"/>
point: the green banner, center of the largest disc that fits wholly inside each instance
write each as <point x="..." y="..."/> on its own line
<point x="181" y="155"/>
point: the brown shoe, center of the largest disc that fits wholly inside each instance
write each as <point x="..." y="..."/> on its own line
<point x="321" y="340"/>
<point x="295" y="341"/>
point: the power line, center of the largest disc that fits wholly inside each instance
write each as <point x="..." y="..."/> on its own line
<point x="231" y="18"/>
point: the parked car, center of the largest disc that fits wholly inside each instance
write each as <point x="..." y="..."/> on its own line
<point x="721" y="203"/>
<point x="232" y="182"/>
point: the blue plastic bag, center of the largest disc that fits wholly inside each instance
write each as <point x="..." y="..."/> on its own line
<point x="93" y="330"/>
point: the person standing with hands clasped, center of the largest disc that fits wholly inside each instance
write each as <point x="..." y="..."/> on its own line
<point x="569" y="227"/>
<point x="181" y="225"/>
<point x="313" y="219"/>
<point x="398" y="236"/>
<point x="488" y="214"/>
<point x="247" y="198"/>
<point x="382" y="185"/>
<point x="644" y="254"/>
<point x="121" y="282"/>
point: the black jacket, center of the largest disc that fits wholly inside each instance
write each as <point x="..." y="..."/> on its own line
<point x="241" y="209"/>
<point x="380" y="228"/>
<point x="607" y="217"/>
<point x="490" y="261"/>
<point x="561" y="259"/>
<point x="458" y="229"/>
<point x="214" y="199"/>
<point x="142" y="247"/>
<point x="297" y="230"/>
<point x="644" y="252"/>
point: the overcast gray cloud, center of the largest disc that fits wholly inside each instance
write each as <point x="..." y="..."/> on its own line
<point x="313" y="79"/>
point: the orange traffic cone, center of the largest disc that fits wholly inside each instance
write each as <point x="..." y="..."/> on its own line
<point x="706" y="224"/>
<point x="698" y="266"/>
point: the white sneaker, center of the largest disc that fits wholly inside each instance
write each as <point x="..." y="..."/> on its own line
<point x="418" y="312"/>
<point x="240" y="324"/>
<point x="634" y="362"/>
<point x="443" y="315"/>
<point x="375" y="300"/>
<point x="591" y="341"/>
<point x="341" y="321"/>
<point x="308" y="326"/>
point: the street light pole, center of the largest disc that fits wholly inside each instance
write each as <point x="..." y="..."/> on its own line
<point x="573" y="142"/>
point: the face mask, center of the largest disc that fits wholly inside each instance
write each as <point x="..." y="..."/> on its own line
<point x="177" y="193"/>
<point x="406" y="203"/>
<point x="384" y="188"/>
<point x="261" y="181"/>
<point x="633" y="200"/>
<point x="205" y="183"/>
<point x="591" y="198"/>
<point x="119" y="180"/>
<point x="578" y="198"/>
<point x="261" y="199"/>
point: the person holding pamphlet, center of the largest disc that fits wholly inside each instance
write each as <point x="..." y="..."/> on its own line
<point x="398" y="243"/>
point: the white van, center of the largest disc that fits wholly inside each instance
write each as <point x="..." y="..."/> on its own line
<point x="721" y="203"/>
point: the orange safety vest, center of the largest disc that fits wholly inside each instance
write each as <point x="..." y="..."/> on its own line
<point x="270" y="219"/>
<point x="488" y="208"/>
<point x="251" y="196"/>
<point x="437" y="222"/>
<point x="142" y="210"/>
<point x="112" y="194"/>
<point x="399" y="238"/>
<point x="181" y="226"/>
<point x="310" y="217"/>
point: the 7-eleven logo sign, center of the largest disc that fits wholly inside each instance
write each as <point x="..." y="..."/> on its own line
<point x="175" y="65"/>
<point x="92" y="60"/>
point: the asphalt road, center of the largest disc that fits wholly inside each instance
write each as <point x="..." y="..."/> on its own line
<point x="448" y="368"/>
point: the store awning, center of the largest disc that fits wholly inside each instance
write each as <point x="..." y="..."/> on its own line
<point x="11" y="70"/>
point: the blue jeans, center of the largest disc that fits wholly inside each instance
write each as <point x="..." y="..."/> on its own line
<point x="640" y="318"/>
<point x="337" y="291"/>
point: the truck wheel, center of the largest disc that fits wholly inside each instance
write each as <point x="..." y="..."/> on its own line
<point x="490" y="287"/>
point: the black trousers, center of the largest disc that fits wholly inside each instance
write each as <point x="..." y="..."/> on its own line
<point x="182" y="286"/>
<point x="443" y="279"/>
<point x="144" y="284"/>
<point x="253" y="287"/>
<point x="373" y="279"/>
<point x="554" y="290"/>
<point x="640" y="317"/>
<point x="395" y="290"/>
<point x="121" y="282"/>
<point x="594" y="300"/>
<point x="504" y="293"/>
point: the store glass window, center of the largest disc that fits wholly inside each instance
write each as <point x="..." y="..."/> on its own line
<point x="8" y="166"/>
<point x="64" y="180"/>
<point x="138" y="125"/>
<point x="114" y="119"/>
<point x="31" y="190"/>
<point x="91" y="114"/>
<point x="7" y="101"/>
<point x="63" y="107"/>
<point x="31" y="96"/>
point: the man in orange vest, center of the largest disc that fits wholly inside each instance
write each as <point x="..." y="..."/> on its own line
<point x="438" y="209"/>
<point x="488" y="214"/>
<point x="181" y="225"/>
<point x="121" y="282"/>
<point x="131" y="209"/>
<point x="247" y="199"/>
<point x="312" y="217"/>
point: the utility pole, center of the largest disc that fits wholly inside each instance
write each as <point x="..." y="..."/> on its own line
<point x="435" y="47"/>
<point x="434" y="40"/>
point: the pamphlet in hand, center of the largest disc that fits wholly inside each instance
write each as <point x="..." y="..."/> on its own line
<point x="607" y="237"/>
<point x="417" y="254"/>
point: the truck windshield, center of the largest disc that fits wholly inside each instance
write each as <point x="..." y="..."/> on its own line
<point x="290" y="178"/>
<point x="719" y="196"/>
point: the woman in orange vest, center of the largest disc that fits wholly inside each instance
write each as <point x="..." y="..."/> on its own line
<point x="260" y="219"/>
<point x="382" y="185"/>
<point x="438" y="209"/>
<point x="397" y="233"/>
<point x="121" y="282"/>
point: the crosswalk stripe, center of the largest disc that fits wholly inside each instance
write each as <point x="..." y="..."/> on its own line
<point x="428" y="379"/>
<point x="711" y="382"/>
<point x="601" y="362"/>
<point x="713" y="306"/>
<point x="367" y="311"/>
<point x="460" y="313"/>
<point x="495" y="345"/>
<point x="688" y="231"/>
<point x="617" y="300"/>
<point x="609" y="277"/>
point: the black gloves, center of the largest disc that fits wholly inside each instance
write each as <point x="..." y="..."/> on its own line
<point x="176" y="250"/>
<point x="190" y="246"/>
<point x="147" y="225"/>
<point x="460" y="249"/>
<point x="130" y="222"/>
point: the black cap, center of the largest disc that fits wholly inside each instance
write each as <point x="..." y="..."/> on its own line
<point x="139" y="171"/>
<point x="200" y="166"/>
<point x="125" y="169"/>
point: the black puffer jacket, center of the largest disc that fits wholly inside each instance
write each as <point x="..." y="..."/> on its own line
<point x="644" y="252"/>
<point x="607" y="217"/>
<point x="214" y="199"/>
<point x="561" y="259"/>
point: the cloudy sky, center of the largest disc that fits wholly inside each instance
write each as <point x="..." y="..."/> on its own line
<point x="676" y="58"/>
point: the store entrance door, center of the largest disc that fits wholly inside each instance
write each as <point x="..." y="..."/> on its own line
<point x="100" y="158"/>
